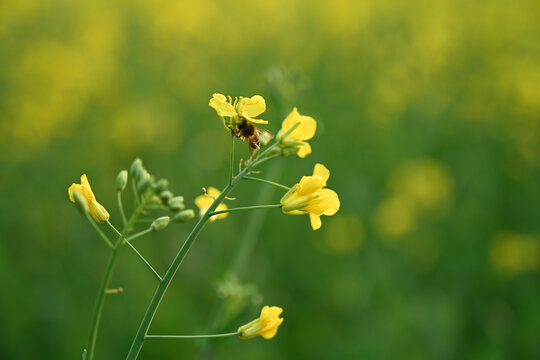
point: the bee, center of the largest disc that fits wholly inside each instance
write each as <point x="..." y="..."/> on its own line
<point x="246" y="130"/>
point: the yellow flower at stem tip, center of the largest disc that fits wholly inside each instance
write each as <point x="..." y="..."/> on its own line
<point x="241" y="108"/>
<point x="311" y="197"/>
<point x="98" y="212"/>
<point x="203" y="202"/>
<point x="266" y="325"/>
<point x="305" y="130"/>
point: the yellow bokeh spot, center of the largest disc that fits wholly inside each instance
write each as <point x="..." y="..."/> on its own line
<point x="417" y="188"/>
<point x="395" y="217"/>
<point x="344" y="233"/>
<point x="427" y="182"/>
<point x="512" y="253"/>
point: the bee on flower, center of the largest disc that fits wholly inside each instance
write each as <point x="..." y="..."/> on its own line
<point x="241" y="117"/>
<point x="311" y="197"/>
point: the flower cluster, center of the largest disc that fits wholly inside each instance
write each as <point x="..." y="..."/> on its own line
<point x="240" y="117"/>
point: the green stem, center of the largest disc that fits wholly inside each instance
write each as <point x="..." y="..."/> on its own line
<point x="101" y="234"/>
<point x="171" y="337"/>
<point x="98" y="308"/>
<point x="138" y="341"/>
<point x="245" y="208"/>
<point x="232" y="158"/>
<point x="135" y="251"/>
<point x="121" y="207"/>
<point x="100" y="300"/>
<point x="139" y="234"/>
<point x="267" y="182"/>
<point x="260" y="161"/>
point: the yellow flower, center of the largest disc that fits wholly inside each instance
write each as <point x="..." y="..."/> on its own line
<point x="310" y="197"/>
<point x="266" y="325"/>
<point x="203" y="202"/>
<point x="296" y="139"/>
<point x="98" y="212"/>
<point x="242" y="108"/>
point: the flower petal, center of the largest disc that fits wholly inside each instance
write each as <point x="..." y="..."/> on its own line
<point x="251" y="107"/>
<point x="219" y="208"/>
<point x="98" y="212"/>
<point x="309" y="185"/>
<point x="315" y="221"/>
<point x="89" y="194"/>
<point x="304" y="131"/>
<point x="203" y="202"/>
<point x="321" y="171"/>
<point x="333" y="201"/>
<point x="304" y="150"/>
<point x="256" y="121"/>
<point x="222" y="107"/>
<point x="74" y="187"/>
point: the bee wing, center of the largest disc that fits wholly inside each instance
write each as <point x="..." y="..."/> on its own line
<point x="265" y="136"/>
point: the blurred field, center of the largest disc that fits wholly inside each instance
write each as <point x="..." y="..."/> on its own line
<point x="429" y="120"/>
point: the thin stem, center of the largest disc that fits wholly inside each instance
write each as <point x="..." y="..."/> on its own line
<point x="135" y="251"/>
<point x="171" y="337"/>
<point x="232" y="158"/>
<point x="100" y="300"/>
<point x="245" y="208"/>
<point x="101" y="234"/>
<point x="138" y="341"/>
<point x="98" y="308"/>
<point x="139" y="234"/>
<point x="267" y="182"/>
<point x="258" y="162"/>
<point x="121" y="207"/>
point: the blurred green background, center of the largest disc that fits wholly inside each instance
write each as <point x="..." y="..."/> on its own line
<point x="428" y="118"/>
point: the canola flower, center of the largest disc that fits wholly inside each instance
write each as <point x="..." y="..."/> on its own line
<point x="241" y="108"/>
<point x="311" y="197"/>
<point x="294" y="141"/>
<point x="266" y="325"/>
<point x="97" y="211"/>
<point x="203" y="202"/>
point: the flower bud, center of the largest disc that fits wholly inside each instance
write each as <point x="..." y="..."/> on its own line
<point x="289" y="151"/>
<point x="176" y="203"/>
<point x="266" y="325"/>
<point x="160" y="223"/>
<point x="184" y="215"/>
<point x="136" y="168"/>
<point x="161" y="185"/>
<point x="80" y="202"/>
<point x="121" y="180"/>
<point x="166" y="195"/>
<point x="144" y="182"/>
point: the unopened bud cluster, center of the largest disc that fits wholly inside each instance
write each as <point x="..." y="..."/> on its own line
<point x="158" y="191"/>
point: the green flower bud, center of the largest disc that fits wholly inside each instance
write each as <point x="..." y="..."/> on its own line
<point x="166" y="195"/>
<point x="176" y="203"/>
<point x="161" y="185"/>
<point x="184" y="215"/>
<point x="289" y="151"/>
<point x="136" y="168"/>
<point x="144" y="182"/>
<point x="121" y="180"/>
<point x="80" y="202"/>
<point x="160" y="223"/>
